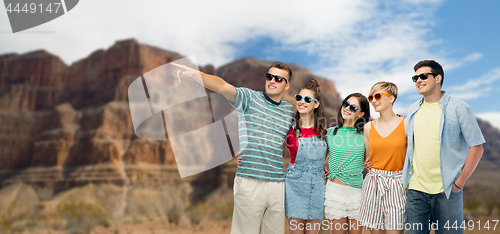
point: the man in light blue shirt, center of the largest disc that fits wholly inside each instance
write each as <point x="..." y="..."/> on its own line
<point x="434" y="196"/>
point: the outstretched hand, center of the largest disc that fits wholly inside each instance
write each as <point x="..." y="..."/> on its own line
<point x="182" y="70"/>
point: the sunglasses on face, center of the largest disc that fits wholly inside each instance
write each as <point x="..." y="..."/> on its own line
<point x="307" y="99"/>
<point x="352" y="108"/>
<point x="422" y="76"/>
<point x="377" y="96"/>
<point x="278" y="79"/>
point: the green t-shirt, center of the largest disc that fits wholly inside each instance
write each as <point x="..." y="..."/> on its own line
<point x="346" y="155"/>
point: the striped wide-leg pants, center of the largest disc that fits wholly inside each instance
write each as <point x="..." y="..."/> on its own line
<point x="383" y="201"/>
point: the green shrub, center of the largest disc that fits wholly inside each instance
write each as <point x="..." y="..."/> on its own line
<point x="82" y="217"/>
<point x="141" y="219"/>
<point x="17" y="218"/>
<point x="224" y="208"/>
<point x="198" y="212"/>
<point x="174" y="213"/>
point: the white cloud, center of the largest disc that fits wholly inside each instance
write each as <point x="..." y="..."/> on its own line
<point x="458" y="63"/>
<point x="492" y="117"/>
<point x="358" y="42"/>
<point x="208" y="29"/>
<point x="385" y="47"/>
<point x="476" y="87"/>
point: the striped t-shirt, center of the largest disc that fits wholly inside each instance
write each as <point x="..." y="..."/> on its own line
<point x="346" y="155"/>
<point x="262" y="125"/>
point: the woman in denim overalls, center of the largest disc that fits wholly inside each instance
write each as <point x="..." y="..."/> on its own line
<point x="305" y="181"/>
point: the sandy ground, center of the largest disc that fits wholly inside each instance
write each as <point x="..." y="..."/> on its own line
<point x="213" y="227"/>
<point x="206" y="227"/>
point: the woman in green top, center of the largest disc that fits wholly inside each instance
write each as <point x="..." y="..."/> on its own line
<point x="346" y="155"/>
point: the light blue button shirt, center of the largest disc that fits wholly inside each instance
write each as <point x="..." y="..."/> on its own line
<point x="458" y="131"/>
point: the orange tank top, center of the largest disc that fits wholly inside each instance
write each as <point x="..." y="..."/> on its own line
<point x="388" y="153"/>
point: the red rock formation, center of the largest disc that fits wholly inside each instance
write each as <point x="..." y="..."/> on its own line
<point x="59" y="116"/>
<point x="31" y="82"/>
<point x="58" y="120"/>
<point x="65" y="126"/>
<point x="69" y="126"/>
<point x="491" y="156"/>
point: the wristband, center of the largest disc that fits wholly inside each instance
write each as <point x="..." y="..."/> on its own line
<point x="455" y="183"/>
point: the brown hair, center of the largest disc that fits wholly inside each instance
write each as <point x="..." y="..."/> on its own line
<point x="318" y="113"/>
<point x="360" y="123"/>
<point x="435" y="68"/>
<point x="282" y="66"/>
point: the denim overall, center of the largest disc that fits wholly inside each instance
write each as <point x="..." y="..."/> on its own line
<point x="305" y="182"/>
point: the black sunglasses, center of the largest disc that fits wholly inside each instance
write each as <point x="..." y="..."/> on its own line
<point x="307" y="99"/>
<point x="278" y="79"/>
<point x="422" y="76"/>
<point x="351" y="108"/>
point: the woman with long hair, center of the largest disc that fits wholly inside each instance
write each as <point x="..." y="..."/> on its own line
<point x="305" y="181"/>
<point x="384" y="198"/>
<point x="346" y="155"/>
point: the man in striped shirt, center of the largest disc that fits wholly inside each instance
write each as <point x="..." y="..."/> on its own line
<point x="264" y="119"/>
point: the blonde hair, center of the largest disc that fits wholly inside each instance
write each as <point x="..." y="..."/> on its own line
<point x="389" y="87"/>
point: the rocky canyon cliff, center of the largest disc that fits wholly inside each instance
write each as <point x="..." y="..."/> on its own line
<point x="67" y="137"/>
<point x="70" y="125"/>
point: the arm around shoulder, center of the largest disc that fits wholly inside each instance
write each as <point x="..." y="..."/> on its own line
<point x="366" y="133"/>
<point x="406" y="126"/>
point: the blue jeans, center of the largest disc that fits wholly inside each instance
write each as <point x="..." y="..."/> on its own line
<point x="433" y="211"/>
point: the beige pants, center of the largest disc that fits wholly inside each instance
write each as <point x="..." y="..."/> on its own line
<point x="259" y="206"/>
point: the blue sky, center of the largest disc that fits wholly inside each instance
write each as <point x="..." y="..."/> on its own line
<point x="460" y="30"/>
<point x="468" y="26"/>
<point x="355" y="43"/>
